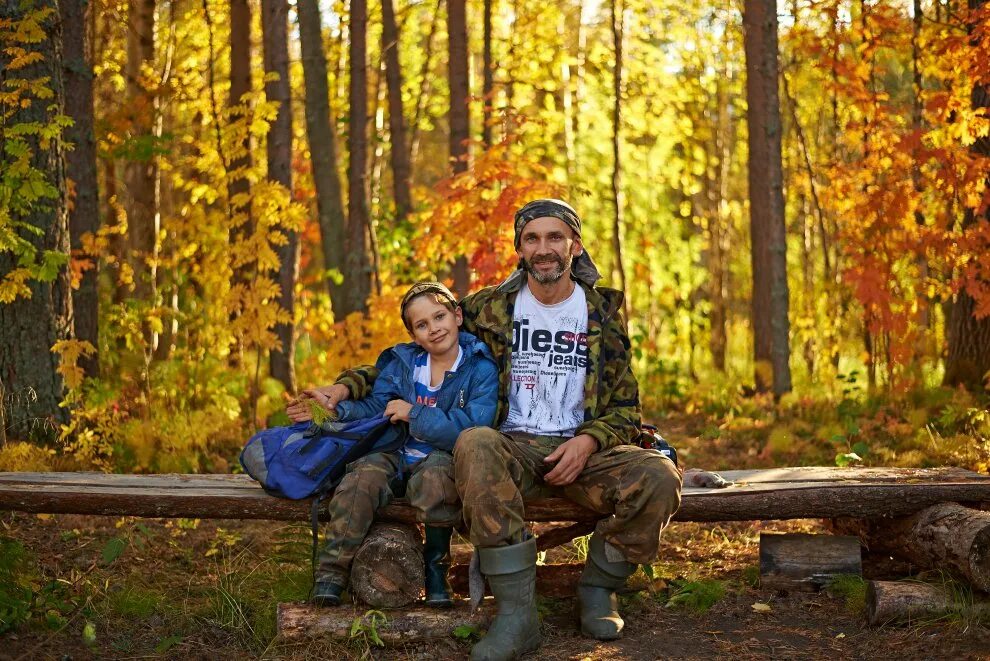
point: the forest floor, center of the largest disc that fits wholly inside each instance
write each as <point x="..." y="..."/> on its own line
<point x="112" y="587"/>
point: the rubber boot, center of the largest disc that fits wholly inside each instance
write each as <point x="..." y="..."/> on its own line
<point x="436" y="558"/>
<point x="511" y="574"/>
<point x="596" y="592"/>
<point x="327" y="593"/>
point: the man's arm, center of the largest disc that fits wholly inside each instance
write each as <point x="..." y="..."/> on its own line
<point x="354" y="383"/>
<point x="619" y="412"/>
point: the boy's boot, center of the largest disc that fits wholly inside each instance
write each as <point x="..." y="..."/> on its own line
<point x="327" y="592"/>
<point x="511" y="574"/>
<point x="596" y="592"/>
<point x="436" y="559"/>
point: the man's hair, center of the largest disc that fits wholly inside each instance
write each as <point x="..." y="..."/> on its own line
<point x="436" y="291"/>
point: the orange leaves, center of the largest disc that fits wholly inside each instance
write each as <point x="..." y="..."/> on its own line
<point x="472" y="212"/>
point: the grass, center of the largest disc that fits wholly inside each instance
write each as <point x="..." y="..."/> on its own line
<point x="697" y="596"/>
<point x="851" y="588"/>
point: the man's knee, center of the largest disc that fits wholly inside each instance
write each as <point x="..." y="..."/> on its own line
<point x="660" y="479"/>
<point x="476" y="443"/>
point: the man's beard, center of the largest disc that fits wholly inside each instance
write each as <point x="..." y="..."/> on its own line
<point x="548" y="277"/>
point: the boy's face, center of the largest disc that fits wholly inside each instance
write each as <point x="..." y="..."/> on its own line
<point x="433" y="325"/>
<point x="547" y="247"/>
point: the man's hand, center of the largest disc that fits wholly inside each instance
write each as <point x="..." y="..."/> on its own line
<point x="398" y="410"/>
<point x="571" y="457"/>
<point x="326" y="396"/>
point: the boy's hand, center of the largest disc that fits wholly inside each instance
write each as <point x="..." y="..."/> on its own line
<point x="327" y="397"/>
<point x="397" y="410"/>
<point x="571" y="457"/>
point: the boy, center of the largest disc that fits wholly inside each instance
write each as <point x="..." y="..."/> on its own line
<point x="443" y="382"/>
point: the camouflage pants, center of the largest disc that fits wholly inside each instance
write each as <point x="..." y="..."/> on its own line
<point x="372" y="482"/>
<point x="639" y="490"/>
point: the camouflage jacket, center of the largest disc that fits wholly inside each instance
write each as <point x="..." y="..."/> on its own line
<point x="611" y="393"/>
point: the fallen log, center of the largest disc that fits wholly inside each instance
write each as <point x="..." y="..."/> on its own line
<point x="944" y="536"/>
<point x="557" y="581"/>
<point x="408" y="625"/>
<point x="388" y="567"/>
<point x="799" y="561"/>
<point x="905" y="601"/>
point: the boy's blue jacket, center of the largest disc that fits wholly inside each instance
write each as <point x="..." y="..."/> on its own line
<point x="467" y="397"/>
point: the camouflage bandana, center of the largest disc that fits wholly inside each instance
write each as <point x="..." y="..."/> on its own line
<point x="583" y="268"/>
<point x="424" y="287"/>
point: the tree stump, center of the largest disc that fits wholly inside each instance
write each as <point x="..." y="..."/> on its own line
<point x="388" y="568"/>
<point x="947" y="536"/>
<point x="798" y="561"/>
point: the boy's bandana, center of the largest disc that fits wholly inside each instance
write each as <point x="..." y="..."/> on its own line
<point x="427" y="286"/>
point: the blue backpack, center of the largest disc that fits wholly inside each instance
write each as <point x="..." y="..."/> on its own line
<point x="307" y="459"/>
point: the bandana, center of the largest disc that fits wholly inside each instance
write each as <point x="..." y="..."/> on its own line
<point x="427" y="286"/>
<point x="583" y="269"/>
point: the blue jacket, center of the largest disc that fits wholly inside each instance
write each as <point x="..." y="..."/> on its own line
<point x="467" y="397"/>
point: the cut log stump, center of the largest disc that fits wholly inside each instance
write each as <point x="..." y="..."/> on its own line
<point x="944" y="536"/>
<point x="408" y="625"/>
<point x="388" y="568"/>
<point x="798" y="561"/>
<point x="889" y="602"/>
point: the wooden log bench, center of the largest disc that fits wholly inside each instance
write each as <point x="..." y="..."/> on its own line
<point x="756" y="495"/>
<point x="871" y="494"/>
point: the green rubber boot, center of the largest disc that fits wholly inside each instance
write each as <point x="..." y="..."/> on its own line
<point x="511" y="573"/>
<point x="596" y="592"/>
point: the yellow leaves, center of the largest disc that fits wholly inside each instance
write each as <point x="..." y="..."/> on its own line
<point x="14" y="284"/>
<point x="69" y="352"/>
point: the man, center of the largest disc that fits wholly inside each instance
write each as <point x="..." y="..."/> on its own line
<point x="567" y="421"/>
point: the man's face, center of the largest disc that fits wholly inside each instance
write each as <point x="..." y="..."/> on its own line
<point x="547" y="247"/>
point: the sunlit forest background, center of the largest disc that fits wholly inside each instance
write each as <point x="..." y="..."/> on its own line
<point x="208" y="204"/>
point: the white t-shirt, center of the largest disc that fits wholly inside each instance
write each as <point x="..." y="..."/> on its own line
<point x="549" y="364"/>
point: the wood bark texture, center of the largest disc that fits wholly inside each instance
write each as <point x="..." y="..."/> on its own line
<point x="890" y="602"/>
<point x="357" y="277"/>
<point x="771" y="327"/>
<point x="322" y="136"/>
<point x="459" y="114"/>
<point x="388" y="567"/>
<point x="30" y="326"/>
<point x="84" y="216"/>
<point x="770" y="494"/>
<point x="946" y="535"/>
<point x="408" y="625"/>
<point x="240" y="84"/>
<point x="798" y="561"/>
<point x="398" y="152"/>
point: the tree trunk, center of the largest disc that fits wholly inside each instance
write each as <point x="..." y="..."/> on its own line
<point x="424" y="85"/>
<point x="275" y="26"/>
<point x="718" y="227"/>
<point x="322" y="134"/>
<point x="487" y="75"/>
<point x="84" y="217"/>
<point x="968" y="360"/>
<point x="357" y="278"/>
<point x="31" y="387"/>
<point x="240" y="84"/>
<point x="388" y="568"/>
<point x="401" y="171"/>
<point x="139" y="171"/>
<point x="771" y="327"/>
<point x="618" y="201"/>
<point x="460" y="126"/>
